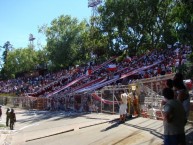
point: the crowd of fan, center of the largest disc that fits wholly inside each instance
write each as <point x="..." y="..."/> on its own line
<point x="44" y="85"/>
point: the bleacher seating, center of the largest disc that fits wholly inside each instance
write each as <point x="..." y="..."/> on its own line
<point x="155" y="63"/>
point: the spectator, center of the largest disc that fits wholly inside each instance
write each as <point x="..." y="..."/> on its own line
<point x="12" y="119"/>
<point x="182" y="95"/>
<point x="179" y="77"/>
<point x="123" y="107"/>
<point x="169" y="84"/>
<point x="174" y="120"/>
<point x="135" y="104"/>
<point x="129" y="105"/>
<point x="7" y="116"/>
<point x="182" y="92"/>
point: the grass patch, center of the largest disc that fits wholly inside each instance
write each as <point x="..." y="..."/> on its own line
<point x="2" y="125"/>
<point x="7" y="95"/>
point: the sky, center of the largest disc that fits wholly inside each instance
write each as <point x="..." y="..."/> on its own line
<point x="19" y="18"/>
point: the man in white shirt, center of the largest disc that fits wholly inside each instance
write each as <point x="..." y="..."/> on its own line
<point x="123" y="107"/>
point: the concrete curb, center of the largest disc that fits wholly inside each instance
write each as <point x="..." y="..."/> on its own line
<point x="49" y="135"/>
<point x="76" y="127"/>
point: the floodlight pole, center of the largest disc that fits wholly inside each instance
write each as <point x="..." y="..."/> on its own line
<point x="31" y="39"/>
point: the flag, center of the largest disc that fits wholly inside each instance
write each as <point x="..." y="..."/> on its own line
<point x="188" y="84"/>
<point x="112" y="67"/>
<point x="88" y="72"/>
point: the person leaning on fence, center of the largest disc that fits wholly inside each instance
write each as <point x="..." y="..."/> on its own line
<point x="12" y="119"/>
<point x="7" y="116"/>
<point x="169" y="84"/>
<point x="183" y="96"/>
<point x="123" y="107"/>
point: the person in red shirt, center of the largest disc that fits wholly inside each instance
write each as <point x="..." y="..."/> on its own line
<point x="146" y="75"/>
<point x="159" y="70"/>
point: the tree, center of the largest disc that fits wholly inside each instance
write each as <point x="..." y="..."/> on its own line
<point x="65" y="43"/>
<point x="7" y="47"/>
<point x="20" y="60"/>
<point x="95" y="41"/>
<point x="139" y="25"/>
<point x="183" y="20"/>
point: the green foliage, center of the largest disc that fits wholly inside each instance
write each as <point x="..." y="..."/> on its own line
<point x="123" y="27"/>
<point x="183" y="20"/>
<point x="6" y="47"/>
<point x="65" y="41"/>
<point x="189" y="66"/>
<point x="2" y="125"/>
<point x="145" y="25"/>
<point x="21" y="60"/>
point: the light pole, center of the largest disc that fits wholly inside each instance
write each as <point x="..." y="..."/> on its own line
<point x="31" y="39"/>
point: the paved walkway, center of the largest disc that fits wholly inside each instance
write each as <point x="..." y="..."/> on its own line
<point x="46" y="124"/>
<point x="33" y="125"/>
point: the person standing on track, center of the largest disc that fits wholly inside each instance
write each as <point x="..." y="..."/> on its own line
<point x="12" y="119"/>
<point x="7" y="116"/>
<point x="123" y="107"/>
<point x="135" y="104"/>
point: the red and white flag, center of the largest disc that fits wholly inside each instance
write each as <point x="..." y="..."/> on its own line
<point x="88" y="72"/>
<point x="112" y="67"/>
